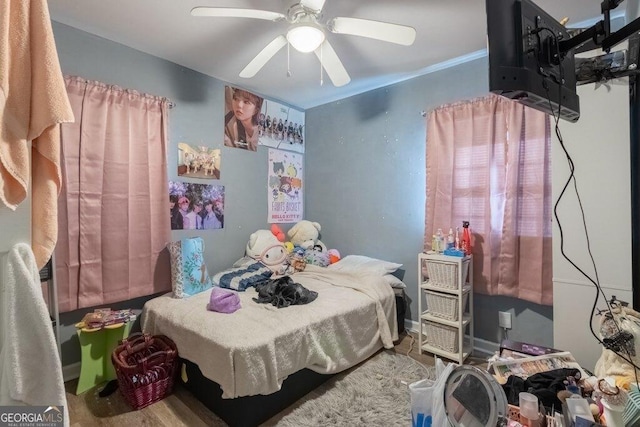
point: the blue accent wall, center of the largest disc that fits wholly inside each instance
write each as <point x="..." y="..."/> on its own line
<point x="365" y="168"/>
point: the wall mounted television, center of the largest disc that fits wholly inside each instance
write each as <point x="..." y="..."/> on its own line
<point x="525" y="61"/>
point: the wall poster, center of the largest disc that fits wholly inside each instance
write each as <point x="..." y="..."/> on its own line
<point x="196" y="206"/>
<point x="285" y="198"/>
<point x="241" y="118"/>
<point x="250" y="120"/>
<point x="281" y="127"/>
<point x="198" y="161"/>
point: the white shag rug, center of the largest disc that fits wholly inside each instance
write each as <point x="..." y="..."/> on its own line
<point x="374" y="393"/>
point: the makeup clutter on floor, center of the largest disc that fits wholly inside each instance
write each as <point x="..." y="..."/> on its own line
<point x="535" y="386"/>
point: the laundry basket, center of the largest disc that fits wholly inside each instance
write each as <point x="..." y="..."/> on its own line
<point x="146" y="367"/>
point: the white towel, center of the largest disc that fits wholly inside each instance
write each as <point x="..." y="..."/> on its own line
<point x="30" y="368"/>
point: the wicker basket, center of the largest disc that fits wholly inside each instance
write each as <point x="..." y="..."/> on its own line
<point x="444" y="337"/>
<point x="444" y="274"/>
<point x="146" y="367"/>
<point x="444" y="305"/>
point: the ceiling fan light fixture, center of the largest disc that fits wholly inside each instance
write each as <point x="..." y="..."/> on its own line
<point x="305" y="37"/>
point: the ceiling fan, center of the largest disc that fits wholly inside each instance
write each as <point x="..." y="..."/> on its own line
<point x="307" y="34"/>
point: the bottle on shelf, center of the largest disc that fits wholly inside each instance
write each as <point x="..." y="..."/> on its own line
<point x="465" y="242"/>
<point x="451" y="242"/>
<point x="440" y="238"/>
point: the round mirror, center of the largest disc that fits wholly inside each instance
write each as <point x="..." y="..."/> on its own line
<point x="473" y="398"/>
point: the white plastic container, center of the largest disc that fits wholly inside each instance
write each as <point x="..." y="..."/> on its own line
<point x="529" y="413"/>
<point x="578" y="406"/>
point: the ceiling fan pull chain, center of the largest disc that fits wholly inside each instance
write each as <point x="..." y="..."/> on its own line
<point x="321" y="81"/>
<point x="288" y="62"/>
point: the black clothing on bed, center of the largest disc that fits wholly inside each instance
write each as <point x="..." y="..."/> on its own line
<point x="283" y="292"/>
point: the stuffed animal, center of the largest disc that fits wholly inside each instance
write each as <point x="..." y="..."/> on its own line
<point x="334" y="256"/>
<point x="297" y="262"/>
<point x="277" y="231"/>
<point x="317" y="257"/>
<point x="306" y="234"/>
<point x="264" y="246"/>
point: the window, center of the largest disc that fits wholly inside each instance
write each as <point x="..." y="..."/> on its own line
<point x="488" y="162"/>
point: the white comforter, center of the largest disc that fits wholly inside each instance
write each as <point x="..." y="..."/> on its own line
<point x="253" y="350"/>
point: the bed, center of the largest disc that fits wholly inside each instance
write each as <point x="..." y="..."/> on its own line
<point x="246" y="356"/>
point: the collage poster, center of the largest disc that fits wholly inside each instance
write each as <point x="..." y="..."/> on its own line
<point x="250" y="120"/>
<point x="196" y="206"/>
<point x="285" y="198"/>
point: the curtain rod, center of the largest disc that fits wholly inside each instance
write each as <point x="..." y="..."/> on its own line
<point x="169" y="102"/>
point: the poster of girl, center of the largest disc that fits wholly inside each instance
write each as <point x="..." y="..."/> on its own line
<point x="242" y="118"/>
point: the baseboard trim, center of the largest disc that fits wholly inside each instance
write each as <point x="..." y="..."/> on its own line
<point x="411" y="325"/>
<point x="481" y="347"/>
<point x="486" y="348"/>
<point x="71" y="372"/>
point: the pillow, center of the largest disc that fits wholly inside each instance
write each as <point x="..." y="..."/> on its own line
<point x="394" y="282"/>
<point x="365" y="264"/>
<point x="189" y="274"/>
<point x="240" y="278"/>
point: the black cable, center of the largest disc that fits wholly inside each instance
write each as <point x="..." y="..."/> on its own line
<point x="571" y="178"/>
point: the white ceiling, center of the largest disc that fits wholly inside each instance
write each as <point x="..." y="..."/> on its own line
<point x="447" y="30"/>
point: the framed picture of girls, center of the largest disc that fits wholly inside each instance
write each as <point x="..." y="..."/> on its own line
<point x="250" y="120"/>
<point x="198" y="161"/>
<point x="196" y="206"/>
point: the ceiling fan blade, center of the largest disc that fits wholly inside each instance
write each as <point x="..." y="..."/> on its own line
<point x="261" y="58"/>
<point x="315" y="5"/>
<point x="385" y="31"/>
<point x="229" y="12"/>
<point x="332" y="64"/>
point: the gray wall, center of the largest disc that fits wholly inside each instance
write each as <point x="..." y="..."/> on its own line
<point x="196" y="119"/>
<point x="365" y="168"/>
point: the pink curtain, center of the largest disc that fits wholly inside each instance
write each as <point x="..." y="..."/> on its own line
<point x="113" y="223"/>
<point x="488" y="162"/>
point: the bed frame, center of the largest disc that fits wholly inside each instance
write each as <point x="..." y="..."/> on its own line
<point x="249" y="411"/>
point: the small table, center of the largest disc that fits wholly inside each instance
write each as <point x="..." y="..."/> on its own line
<point x="96" y="346"/>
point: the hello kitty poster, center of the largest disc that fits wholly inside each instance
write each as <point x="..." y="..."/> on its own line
<point x="285" y="189"/>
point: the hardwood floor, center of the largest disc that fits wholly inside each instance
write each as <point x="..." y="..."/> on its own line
<point x="180" y="408"/>
<point x="410" y="342"/>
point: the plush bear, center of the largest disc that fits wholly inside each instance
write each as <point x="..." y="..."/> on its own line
<point x="264" y="246"/>
<point x="306" y="234"/>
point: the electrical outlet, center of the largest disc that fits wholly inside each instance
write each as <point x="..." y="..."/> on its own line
<point x="504" y="319"/>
